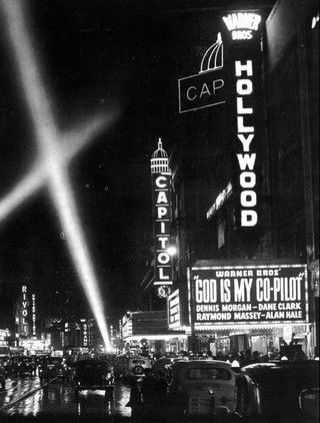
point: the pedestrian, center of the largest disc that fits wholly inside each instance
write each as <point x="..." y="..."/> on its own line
<point x="135" y="399"/>
<point x="154" y="391"/>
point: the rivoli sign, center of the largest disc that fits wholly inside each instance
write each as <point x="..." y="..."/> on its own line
<point x="242" y="295"/>
<point x="204" y="89"/>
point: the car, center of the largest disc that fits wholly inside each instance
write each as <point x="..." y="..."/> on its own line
<point x="93" y="374"/>
<point x="309" y="403"/>
<point x="26" y="365"/>
<point x="8" y="365"/>
<point x="163" y="365"/>
<point x="201" y="387"/>
<point x="137" y="365"/>
<point x="53" y="367"/>
<point x="273" y="389"/>
<point x="131" y="366"/>
<point x="2" y="375"/>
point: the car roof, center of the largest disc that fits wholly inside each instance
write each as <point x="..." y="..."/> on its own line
<point x="138" y="357"/>
<point x="91" y="361"/>
<point x="201" y="363"/>
<point x="282" y="364"/>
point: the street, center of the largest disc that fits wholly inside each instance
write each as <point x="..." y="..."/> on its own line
<point x="25" y="397"/>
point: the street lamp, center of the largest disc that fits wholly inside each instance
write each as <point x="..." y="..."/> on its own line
<point x="172" y="250"/>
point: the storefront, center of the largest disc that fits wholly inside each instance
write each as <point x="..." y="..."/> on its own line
<point x="147" y="331"/>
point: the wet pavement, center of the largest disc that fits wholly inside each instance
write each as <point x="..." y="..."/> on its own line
<point x="58" y="398"/>
<point x="25" y="400"/>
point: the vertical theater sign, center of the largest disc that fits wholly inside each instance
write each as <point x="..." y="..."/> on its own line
<point x="230" y="73"/>
<point x="161" y="203"/>
<point x="22" y="313"/>
<point x="243" y="38"/>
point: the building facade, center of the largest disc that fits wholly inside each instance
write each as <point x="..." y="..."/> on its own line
<point x="271" y="106"/>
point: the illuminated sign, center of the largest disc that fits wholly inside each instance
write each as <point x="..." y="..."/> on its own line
<point x="241" y="24"/>
<point x="85" y="334"/>
<point x="219" y="201"/>
<point x="244" y="295"/>
<point x="162" y="228"/>
<point x="161" y="195"/>
<point x="24" y="311"/>
<point x="174" y="310"/>
<point x="204" y="89"/>
<point x="126" y="326"/>
<point x="245" y="110"/>
<point x="4" y="334"/>
<point x="33" y="314"/>
<point x="245" y="134"/>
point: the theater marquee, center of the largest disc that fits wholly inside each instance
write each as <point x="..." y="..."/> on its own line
<point x="241" y="295"/>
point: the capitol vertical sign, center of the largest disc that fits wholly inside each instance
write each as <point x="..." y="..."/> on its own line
<point x="161" y="203"/>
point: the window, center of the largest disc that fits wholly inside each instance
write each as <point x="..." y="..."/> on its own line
<point x="208" y="373"/>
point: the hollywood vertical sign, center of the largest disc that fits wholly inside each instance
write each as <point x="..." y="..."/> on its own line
<point x="245" y="134"/>
<point x="245" y="65"/>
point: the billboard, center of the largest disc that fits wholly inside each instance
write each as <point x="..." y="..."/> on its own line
<point x="245" y="295"/>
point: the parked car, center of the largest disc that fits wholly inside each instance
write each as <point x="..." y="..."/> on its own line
<point x="93" y="374"/>
<point x="26" y="365"/>
<point x="53" y="367"/>
<point x="8" y="365"/>
<point x="125" y="366"/>
<point x="201" y="387"/>
<point x="163" y="365"/>
<point x="2" y="376"/>
<point x="274" y="389"/>
<point x="309" y="403"/>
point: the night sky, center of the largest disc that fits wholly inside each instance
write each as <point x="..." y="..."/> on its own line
<point x="124" y="57"/>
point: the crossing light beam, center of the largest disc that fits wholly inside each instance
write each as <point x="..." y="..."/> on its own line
<point x="51" y="168"/>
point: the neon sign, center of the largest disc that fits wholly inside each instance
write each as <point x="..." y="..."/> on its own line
<point x="161" y="192"/>
<point x="174" y="310"/>
<point x="220" y="200"/>
<point x="163" y="223"/>
<point x="241" y="24"/>
<point x="24" y="310"/>
<point x="34" y="315"/>
<point x="245" y="134"/>
<point x="204" y="89"/>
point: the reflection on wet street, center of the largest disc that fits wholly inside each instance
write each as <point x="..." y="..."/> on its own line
<point x="58" y="398"/>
